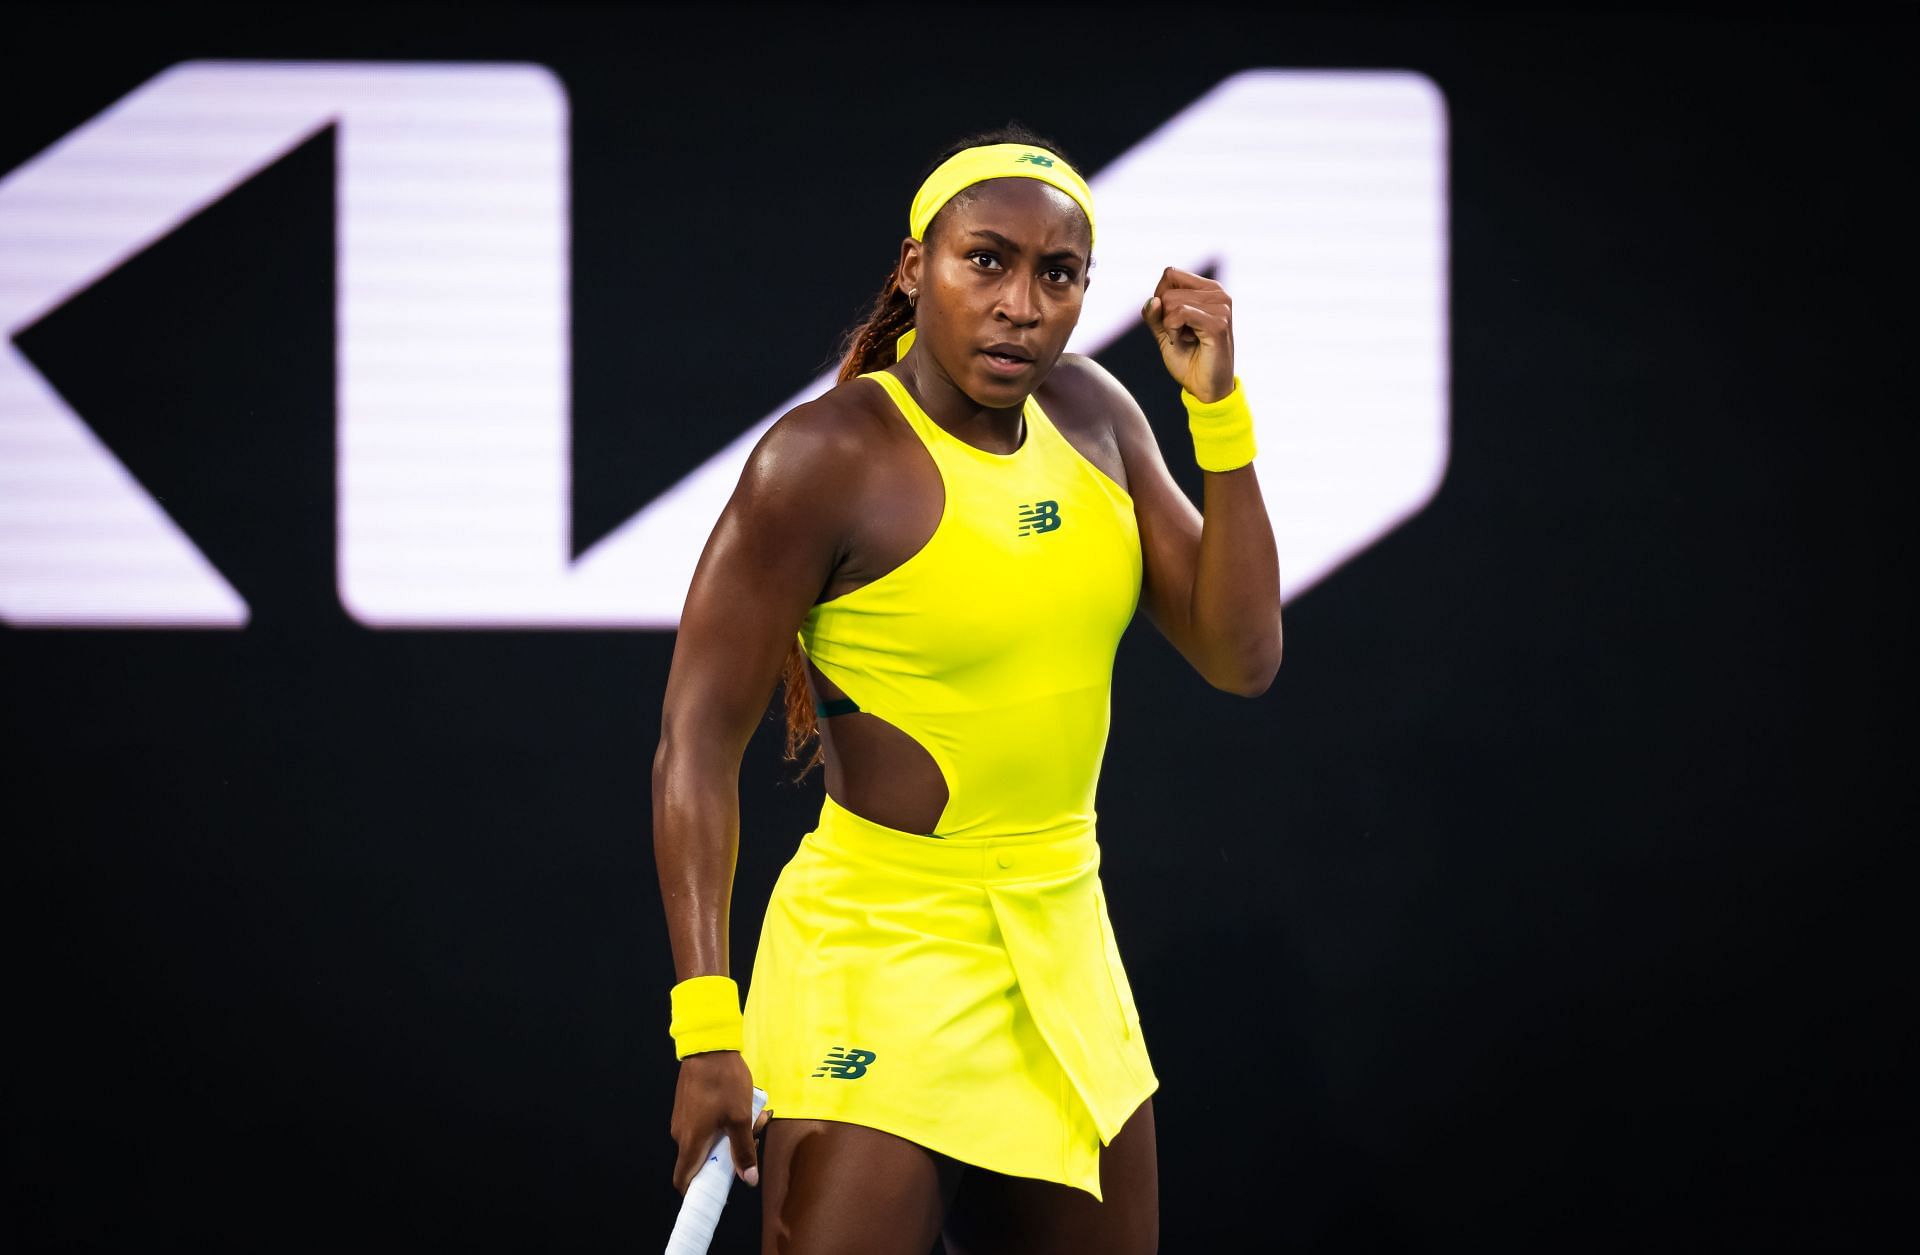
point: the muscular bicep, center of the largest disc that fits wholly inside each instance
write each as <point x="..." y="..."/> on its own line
<point x="769" y="556"/>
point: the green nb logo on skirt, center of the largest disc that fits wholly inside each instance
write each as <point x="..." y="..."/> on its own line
<point x="846" y="1065"/>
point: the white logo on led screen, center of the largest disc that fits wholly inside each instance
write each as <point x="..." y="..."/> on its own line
<point x="1318" y="198"/>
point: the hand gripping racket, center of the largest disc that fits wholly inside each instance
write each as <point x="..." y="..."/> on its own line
<point x="700" y="1209"/>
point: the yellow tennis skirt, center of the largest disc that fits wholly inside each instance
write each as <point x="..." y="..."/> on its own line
<point x="965" y="995"/>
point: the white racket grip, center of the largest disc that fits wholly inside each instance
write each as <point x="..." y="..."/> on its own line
<point x="700" y="1209"/>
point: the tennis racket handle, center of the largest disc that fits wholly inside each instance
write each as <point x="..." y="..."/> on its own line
<point x="700" y="1209"/>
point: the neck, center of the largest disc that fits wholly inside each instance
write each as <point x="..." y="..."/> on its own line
<point x="987" y="427"/>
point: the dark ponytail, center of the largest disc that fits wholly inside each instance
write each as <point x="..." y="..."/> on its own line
<point x="868" y="346"/>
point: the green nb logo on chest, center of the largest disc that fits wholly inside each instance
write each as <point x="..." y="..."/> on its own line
<point x="1041" y="516"/>
<point x="845" y="1065"/>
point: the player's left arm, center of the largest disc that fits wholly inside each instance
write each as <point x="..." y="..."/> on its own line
<point x="1212" y="576"/>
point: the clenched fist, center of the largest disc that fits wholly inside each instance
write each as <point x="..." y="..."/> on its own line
<point x="1192" y="319"/>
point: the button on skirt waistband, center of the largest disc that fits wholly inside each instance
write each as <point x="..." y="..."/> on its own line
<point x="1035" y="855"/>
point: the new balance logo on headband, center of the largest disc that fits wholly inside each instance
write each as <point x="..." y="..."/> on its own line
<point x="1035" y="158"/>
<point x="1041" y="516"/>
<point x="845" y="1065"/>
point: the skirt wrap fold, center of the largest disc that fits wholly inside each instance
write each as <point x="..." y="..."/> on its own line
<point x="965" y="995"/>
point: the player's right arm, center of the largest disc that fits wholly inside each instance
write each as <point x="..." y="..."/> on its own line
<point x="776" y="543"/>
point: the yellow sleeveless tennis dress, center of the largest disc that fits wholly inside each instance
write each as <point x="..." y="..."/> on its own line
<point x="962" y="989"/>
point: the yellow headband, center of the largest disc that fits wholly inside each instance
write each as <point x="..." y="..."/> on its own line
<point x="995" y="161"/>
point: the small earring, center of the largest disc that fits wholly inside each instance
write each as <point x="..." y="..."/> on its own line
<point x="913" y="294"/>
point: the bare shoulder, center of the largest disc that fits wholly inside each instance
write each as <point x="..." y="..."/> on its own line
<point x="838" y="422"/>
<point x="1084" y="392"/>
<point x="1098" y="416"/>
<point x="818" y="448"/>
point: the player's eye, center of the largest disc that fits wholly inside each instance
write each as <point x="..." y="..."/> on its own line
<point x="985" y="259"/>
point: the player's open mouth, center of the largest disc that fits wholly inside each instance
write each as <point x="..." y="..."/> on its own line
<point x="1005" y="363"/>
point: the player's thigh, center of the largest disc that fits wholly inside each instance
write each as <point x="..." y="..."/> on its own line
<point x="995" y="1214"/>
<point x="832" y="1187"/>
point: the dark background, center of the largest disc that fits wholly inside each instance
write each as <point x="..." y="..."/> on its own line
<point x="1543" y="902"/>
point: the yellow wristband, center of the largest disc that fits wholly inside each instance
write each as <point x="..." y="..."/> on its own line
<point x="1222" y="430"/>
<point x="706" y="1015"/>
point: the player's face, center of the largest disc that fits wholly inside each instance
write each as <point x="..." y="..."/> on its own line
<point x="1003" y="275"/>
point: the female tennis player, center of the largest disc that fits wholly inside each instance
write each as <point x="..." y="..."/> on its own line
<point x="940" y="555"/>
